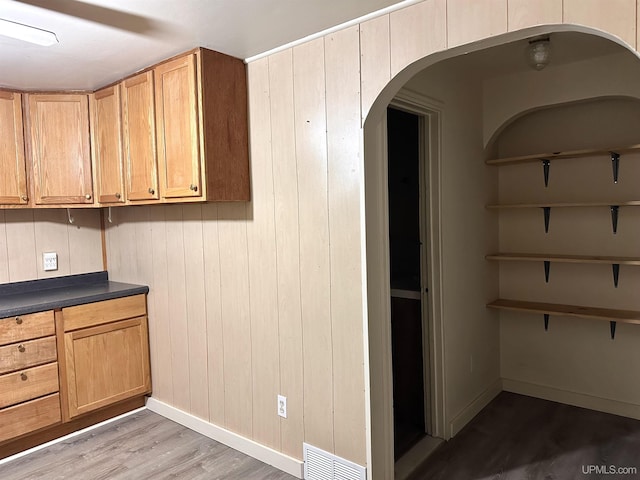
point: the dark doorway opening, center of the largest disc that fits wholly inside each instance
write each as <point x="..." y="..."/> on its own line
<point x="404" y="184"/>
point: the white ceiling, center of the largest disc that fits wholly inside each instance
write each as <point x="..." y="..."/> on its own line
<point x="104" y="40"/>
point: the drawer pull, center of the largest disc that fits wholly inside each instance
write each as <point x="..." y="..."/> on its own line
<point x="23" y="377"/>
<point x="21" y="348"/>
<point x="18" y="320"/>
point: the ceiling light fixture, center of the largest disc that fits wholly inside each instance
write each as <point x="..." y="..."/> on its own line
<point x="27" y="33"/>
<point x="538" y="53"/>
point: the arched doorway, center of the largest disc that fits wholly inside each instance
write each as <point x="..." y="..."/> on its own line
<point x="464" y="354"/>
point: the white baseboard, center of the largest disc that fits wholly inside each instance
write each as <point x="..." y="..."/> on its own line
<point x="599" y="404"/>
<point x="267" y="455"/>
<point x="474" y="408"/>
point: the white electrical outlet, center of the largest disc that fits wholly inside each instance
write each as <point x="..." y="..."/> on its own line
<point x="282" y="406"/>
<point x="49" y="261"/>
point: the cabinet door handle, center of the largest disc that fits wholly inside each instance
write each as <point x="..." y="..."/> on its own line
<point x="23" y="377"/>
<point x="193" y="188"/>
<point x="24" y="198"/>
<point x="118" y="195"/>
<point x="151" y="191"/>
<point x="21" y="348"/>
<point x="18" y="320"/>
<point x="88" y="196"/>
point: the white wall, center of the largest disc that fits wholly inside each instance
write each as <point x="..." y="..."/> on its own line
<point x="510" y="96"/>
<point x="575" y="361"/>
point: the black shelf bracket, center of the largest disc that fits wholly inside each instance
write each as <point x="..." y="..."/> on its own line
<point x="614" y="217"/>
<point x="546" y="322"/>
<point x="616" y="273"/>
<point x="547" y="215"/>
<point x="615" y="164"/>
<point x="547" y="266"/>
<point x="545" y="170"/>
<point x="612" y="326"/>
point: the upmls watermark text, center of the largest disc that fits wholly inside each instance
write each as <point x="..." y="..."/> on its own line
<point x="608" y="470"/>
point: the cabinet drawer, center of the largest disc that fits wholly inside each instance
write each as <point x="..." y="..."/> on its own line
<point x="26" y="327"/>
<point x="97" y="313"/>
<point x="27" y="384"/>
<point x="18" y="356"/>
<point x="30" y="416"/>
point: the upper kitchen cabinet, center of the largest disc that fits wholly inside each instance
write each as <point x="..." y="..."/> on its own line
<point x="58" y="147"/>
<point x="139" y="132"/>
<point x="201" y="102"/>
<point x="106" y="142"/>
<point x="13" y="181"/>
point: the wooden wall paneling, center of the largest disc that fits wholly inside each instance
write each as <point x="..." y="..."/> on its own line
<point x="4" y="252"/>
<point x="160" y="287"/>
<point x="375" y="60"/>
<point x="261" y="243"/>
<point x="21" y="245"/>
<point x="311" y="153"/>
<point x="50" y="227"/>
<point x="179" y="325"/>
<point x="144" y="263"/>
<point x="344" y="176"/>
<point x="85" y="242"/>
<point x="470" y="20"/>
<point x="417" y="31"/>
<point x="525" y="13"/>
<point x="236" y="317"/>
<point x="285" y="189"/>
<point x="122" y="245"/>
<point x="215" y="337"/>
<point x="196" y="309"/>
<point x="614" y="16"/>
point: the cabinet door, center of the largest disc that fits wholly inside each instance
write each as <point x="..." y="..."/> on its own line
<point x="140" y="137"/>
<point x="13" y="181"/>
<point x="106" y="364"/>
<point x="60" y="153"/>
<point x="178" y="135"/>
<point x="106" y="134"/>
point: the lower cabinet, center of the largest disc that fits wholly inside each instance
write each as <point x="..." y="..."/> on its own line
<point x="106" y="358"/>
<point x="55" y="367"/>
<point x="29" y="398"/>
<point x="106" y="364"/>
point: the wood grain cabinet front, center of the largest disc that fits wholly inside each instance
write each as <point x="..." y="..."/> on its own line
<point x="139" y="133"/>
<point x="202" y="128"/>
<point x="106" y="362"/>
<point x="106" y="143"/>
<point x="59" y="148"/>
<point x="29" y="376"/>
<point x="13" y="180"/>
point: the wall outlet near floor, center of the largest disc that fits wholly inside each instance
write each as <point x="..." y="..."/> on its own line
<point x="49" y="261"/>
<point x="282" y="406"/>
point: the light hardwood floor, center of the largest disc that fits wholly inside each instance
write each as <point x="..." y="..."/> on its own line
<point x="141" y="446"/>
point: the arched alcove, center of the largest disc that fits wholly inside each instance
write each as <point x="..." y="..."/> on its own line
<point x="481" y="88"/>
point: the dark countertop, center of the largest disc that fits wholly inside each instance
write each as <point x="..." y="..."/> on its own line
<point x="32" y="296"/>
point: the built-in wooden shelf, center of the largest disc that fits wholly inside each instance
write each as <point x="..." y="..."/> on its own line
<point x="561" y="155"/>
<point x="597" y="313"/>
<point x="617" y="203"/>
<point x="537" y="257"/>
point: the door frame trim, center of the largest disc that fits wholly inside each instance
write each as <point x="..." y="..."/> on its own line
<point x="430" y="112"/>
<point x="378" y="287"/>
